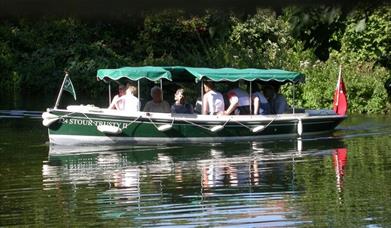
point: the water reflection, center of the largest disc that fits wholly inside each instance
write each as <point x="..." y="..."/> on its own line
<point x="339" y="162"/>
<point x="311" y="182"/>
<point x="202" y="185"/>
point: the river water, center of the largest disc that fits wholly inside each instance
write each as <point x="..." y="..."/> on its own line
<point x="339" y="180"/>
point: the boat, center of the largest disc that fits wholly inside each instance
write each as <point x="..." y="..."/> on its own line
<point x="92" y="125"/>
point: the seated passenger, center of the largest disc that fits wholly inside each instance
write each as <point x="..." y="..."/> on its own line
<point x="131" y="102"/>
<point x="212" y="101"/>
<point x="198" y="106"/>
<point x="180" y="106"/>
<point x="115" y="103"/>
<point x="278" y="103"/>
<point x="157" y="104"/>
<point x="239" y="102"/>
<point x="261" y="105"/>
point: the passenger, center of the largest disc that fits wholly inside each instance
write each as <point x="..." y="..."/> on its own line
<point x="212" y="101"/>
<point x="131" y="102"/>
<point x="261" y="105"/>
<point x="157" y="104"/>
<point x="116" y="103"/>
<point x="278" y="103"/>
<point x="239" y="102"/>
<point x="198" y="106"/>
<point x="180" y="106"/>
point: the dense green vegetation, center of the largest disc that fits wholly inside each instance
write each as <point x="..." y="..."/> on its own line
<point x="315" y="41"/>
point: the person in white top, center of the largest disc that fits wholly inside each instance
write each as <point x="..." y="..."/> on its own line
<point x="132" y="103"/>
<point x="115" y="103"/>
<point x="239" y="102"/>
<point x="212" y="101"/>
<point x="157" y="104"/>
<point x="127" y="102"/>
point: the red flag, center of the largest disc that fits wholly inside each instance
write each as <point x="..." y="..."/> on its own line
<point x="340" y="104"/>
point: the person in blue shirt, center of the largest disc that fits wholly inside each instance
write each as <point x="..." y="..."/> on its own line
<point x="260" y="102"/>
<point x="278" y="103"/>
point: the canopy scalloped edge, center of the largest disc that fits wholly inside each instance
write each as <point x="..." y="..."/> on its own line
<point x="135" y="73"/>
<point x="154" y="73"/>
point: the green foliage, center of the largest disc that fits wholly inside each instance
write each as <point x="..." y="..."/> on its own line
<point x="34" y="54"/>
<point x="364" y="84"/>
<point x="368" y="35"/>
<point x="261" y="40"/>
<point x="38" y="52"/>
<point x="169" y="32"/>
<point x="319" y="28"/>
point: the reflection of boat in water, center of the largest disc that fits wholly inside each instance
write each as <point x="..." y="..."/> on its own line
<point x="146" y="182"/>
<point x="78" y="125"/>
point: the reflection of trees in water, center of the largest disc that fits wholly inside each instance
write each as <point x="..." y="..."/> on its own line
<point x="215" y="165"/>
<point x="134" y="185"/>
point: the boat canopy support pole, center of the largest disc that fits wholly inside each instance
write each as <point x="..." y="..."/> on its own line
<point x="251" y="100"/>
<point x="61" y="89"/>
<point x="109" y="93"/>
<point x="138" y="95"/>
<point x="161" y="87"/>
<point x="202" y="95"/>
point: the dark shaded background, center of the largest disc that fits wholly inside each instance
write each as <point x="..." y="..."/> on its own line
<point x="116" y="9"/>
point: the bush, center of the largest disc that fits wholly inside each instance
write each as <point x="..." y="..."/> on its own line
<point x="368" y="35"/>
<point x="364" y="83"/>
<point x="34" y="54"/>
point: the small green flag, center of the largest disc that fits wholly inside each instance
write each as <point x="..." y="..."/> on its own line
<point x="68" y="86"/>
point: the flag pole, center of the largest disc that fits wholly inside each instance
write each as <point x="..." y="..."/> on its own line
<point x="61" y="90"/>
<point x="338" y="83"/>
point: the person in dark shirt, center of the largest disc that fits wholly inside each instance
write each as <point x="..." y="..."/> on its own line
<point x="180" y="105"/>
<point x="278" y="103"/>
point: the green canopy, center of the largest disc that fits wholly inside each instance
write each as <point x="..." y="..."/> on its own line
<point x="214" y="74"/>
<point x="134" y="73"/>
<point x="233" y="74"/>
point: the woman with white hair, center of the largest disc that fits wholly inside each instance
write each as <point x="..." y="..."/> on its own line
<point x="157" y="104"/>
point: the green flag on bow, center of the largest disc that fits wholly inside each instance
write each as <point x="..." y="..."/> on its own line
<point x="68" y="86"/>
